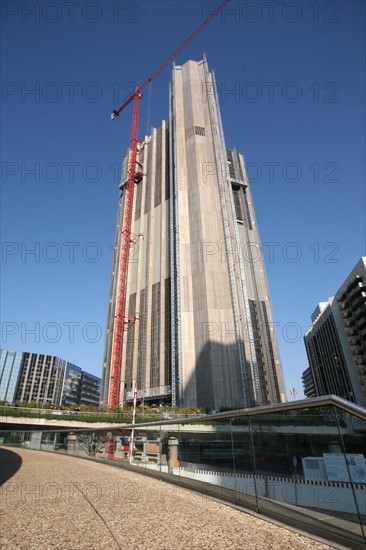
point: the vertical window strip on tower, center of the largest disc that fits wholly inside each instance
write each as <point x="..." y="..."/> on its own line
<point x="231" y="164"/>
<point x="324" y="350"/>
<point x="258" y="352"/>
<point x="237" y="166"/>
<point x="340" y="365"/>
<point x="334" y="375"/>
<point x="337" y="386"/>
<point x="176" y="380"/>
<point x="130" y="341"/>
<point x="138" y="201"/>
<point x="155" y="336"/>
<point x="332" y="370"/>
<point x="158" y="163"/>
<point x="246" y="210"/>
<point x="148" y="178"/>
<point x="313" y="363"/>
<point x="142" y="155"/>
<point x="167" y="165"/>
<point x="272" y="365"/>
<point x="142" y="342"/>
<point x="237" y="203"/>
<point x="168" y="332"/>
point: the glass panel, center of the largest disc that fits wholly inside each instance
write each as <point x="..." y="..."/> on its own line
<point x="243" y="467"/>
<point x="350" y="467"/>
<point x="205" y="453"/>
<point x="301" y="471"/>
<point x="152" y="448"/>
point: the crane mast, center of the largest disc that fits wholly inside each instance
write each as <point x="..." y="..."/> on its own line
<point x="133" y="176"/>
<point x="119" y="322"/>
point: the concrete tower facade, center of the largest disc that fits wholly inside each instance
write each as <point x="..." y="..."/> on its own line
<point x="203" y="334"/>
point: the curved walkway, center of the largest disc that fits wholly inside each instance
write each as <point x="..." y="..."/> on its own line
<point x="64" y="503"/>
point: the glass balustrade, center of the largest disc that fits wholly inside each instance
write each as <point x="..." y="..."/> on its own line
<point x="302" y="464"/>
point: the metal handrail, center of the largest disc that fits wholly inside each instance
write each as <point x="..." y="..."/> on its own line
<point x="321" y="401"/>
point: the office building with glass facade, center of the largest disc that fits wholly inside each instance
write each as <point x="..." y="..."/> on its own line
<point x="80" y="387"/>
<point x="40" y="379"/>
<point x="10" y="368"/>
<point x="45" y="379"/>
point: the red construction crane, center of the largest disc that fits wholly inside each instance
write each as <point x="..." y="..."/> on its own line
<point x="133" y="176"/>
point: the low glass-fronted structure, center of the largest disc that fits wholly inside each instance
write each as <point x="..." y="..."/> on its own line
<point x="301" y="463"/>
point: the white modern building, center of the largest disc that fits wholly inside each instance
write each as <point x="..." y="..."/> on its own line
<point x="336" y="342"/>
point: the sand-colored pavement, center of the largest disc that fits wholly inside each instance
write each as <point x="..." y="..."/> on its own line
<point x="65" y="503"/>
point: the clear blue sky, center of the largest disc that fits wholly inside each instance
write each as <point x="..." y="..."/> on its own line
<point x="297" y="75"/>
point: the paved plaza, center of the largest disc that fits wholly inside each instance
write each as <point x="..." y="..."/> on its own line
<point x="65" y="503"/>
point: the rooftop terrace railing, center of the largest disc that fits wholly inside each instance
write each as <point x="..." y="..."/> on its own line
<point x="97" y="416"/>
<point x="158" y="416"/>
<point x="301" y="463"/>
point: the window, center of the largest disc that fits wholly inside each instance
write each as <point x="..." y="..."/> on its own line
<point x="141" y="358"/>
<point x="130" y="338"/>
<point x="230" y="163"/>
<point x="237" y="203"/>
<point x="155" y="336"/>
<point x="199" y="131"/>
<point x="195" y="130"/>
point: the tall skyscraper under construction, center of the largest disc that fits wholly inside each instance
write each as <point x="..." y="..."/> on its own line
<point x="198" y="327"/>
